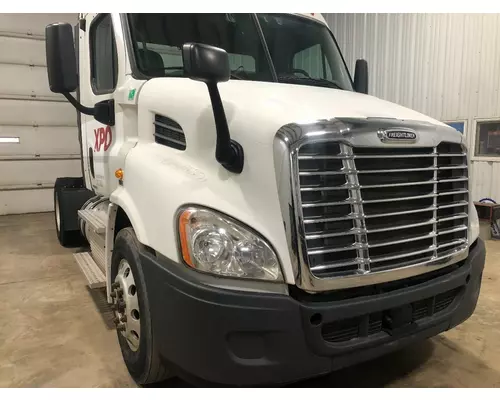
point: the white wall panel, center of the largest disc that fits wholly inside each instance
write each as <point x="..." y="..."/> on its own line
<point x="444" y="65"/>
<point x="15" y="50"/>
<point x="485" y="178"/>
<point x="44" y="122"/>
<point x="32" y="112"/>
<point x="25" y="81"/>
<point x="32" y="172"/>
<point x="32" y="24"/>
<point x="25" y="201"/>
<point x="41" y="141"/>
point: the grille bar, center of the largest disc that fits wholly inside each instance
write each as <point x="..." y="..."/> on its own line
<point x="359" y="231"/>
<point x="457" y="229"/>
<point x="402" y="255"/>
<point x="333" y="266"/>
<point x="379" y="171"/>
<point x="367" y="216"/>
<point x="434" y="204"/>
<point x="453" y="217"/>
<point x="388" y="185"/>
<point x="454" y="243"/>
<point x="347" y="217"/>
<point x="345" y="192"/>
<point x="347" y="156"/>
<point x="450" y="205"/>
<point x="314" y="173"/>
<point x="392" y="214"/>
<point x="356" y="245"/>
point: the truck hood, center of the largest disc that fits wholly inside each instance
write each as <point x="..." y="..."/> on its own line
<point x="306" y="103"/>
<point x="264" y="107"/>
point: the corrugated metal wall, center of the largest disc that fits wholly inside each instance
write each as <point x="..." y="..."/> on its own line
<point x="444" y="65"/>
<point x="39" y="125"/>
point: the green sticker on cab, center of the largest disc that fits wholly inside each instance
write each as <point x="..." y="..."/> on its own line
<point x="131" y="94"/>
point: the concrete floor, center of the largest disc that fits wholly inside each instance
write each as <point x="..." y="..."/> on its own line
<point x="52" y="334"/>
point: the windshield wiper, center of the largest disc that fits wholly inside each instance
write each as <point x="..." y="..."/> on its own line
<point x="309" y="81"/>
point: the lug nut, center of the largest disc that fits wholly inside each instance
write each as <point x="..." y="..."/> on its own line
<point x="120" y="327"/>
<point x="115" y="285"/>
<point x="121" y="305"/>
<point x="123" y="318"/>
<point x="113" y="294"/>
<point x="116" y="321"/>
<point x="119" y="292"/>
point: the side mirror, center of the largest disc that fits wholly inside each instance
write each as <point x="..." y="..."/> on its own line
<point x="361" y="76"/>
<point x="61" y="59"/>
<point x="205" y="63"/>
<point x="62" y="72"/>
<point x="210" y="65"/>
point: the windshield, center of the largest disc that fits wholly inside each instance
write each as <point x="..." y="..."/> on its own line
<point x="269" y="47"/>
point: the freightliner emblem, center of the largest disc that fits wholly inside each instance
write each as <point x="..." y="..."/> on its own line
<point x="402" y="135"/>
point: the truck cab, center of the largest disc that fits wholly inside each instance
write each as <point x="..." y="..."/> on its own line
<point x="253" y="214"/>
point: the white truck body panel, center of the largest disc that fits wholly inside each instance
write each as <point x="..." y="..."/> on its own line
<point x="158" y="179"/>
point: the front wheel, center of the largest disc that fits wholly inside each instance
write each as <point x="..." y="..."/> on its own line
<point x="131" y="308"/>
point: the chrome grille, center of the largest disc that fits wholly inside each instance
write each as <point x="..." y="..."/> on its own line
<point x="366" y="209"/>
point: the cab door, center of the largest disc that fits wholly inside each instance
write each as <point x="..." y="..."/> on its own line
<point x="99" y="71"/>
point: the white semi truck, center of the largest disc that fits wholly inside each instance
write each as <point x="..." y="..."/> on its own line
<point x="254" y="215"/>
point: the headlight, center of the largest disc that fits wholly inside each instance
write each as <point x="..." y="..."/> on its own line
<point x="213" y="243"/>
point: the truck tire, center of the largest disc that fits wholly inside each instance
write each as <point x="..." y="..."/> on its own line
<point x="138" y="349"/>
<point x="66" y="211"/>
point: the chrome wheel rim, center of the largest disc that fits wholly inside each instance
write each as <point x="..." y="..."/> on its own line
<point x="126" y="305"/>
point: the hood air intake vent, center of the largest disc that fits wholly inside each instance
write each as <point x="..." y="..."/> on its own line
<point x="169" y="133"/>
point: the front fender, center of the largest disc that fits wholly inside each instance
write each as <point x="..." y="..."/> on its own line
<point x="122" y="198"/>
<point x="159" y="180"/>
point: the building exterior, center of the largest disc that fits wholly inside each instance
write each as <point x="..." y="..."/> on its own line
<point x="38" y="134"/>
<point x="444" y="65"/>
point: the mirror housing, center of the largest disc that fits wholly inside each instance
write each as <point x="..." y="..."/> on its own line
<point x="361" y="76"/>
<point x="62" y="71"/>
<point x="205" y="63"/>
<point x="210" y="65"/>
<point x="61" y="58"/>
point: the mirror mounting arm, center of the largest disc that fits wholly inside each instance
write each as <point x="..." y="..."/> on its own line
<point x="104" y="111"/>
<point x="80" y="107"/>
<point x="228" y="152"/>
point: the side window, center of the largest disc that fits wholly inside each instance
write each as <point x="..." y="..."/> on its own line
<point x="488" y="138"/>
<point x="103" y="57"/>
<point x="310" y="60"/>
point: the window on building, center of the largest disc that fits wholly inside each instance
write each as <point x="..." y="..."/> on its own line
<point x="103" y="57"/>
<point x="488" y="138"/>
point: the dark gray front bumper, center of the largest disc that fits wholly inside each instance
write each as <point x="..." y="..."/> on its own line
<point x="243" y="338"/>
